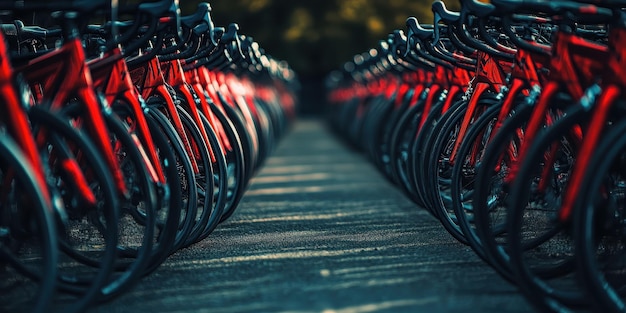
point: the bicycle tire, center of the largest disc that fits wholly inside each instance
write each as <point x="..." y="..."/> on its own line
<point x="542" y="284"/>
<point x="140" y="217"/>
<point x="249" y="153"/>
<point x="591" y="214"/>
<point x="373" y="132"/>
<point x="42" y="228"/>
<point x="442" y="137"/>
<point x="60" y="135"/>
<point x="158" y="121"/>
<point x="236" y="165"/>
<point x="169" y="209"/>
<point x="463" y="176"/>
<point x="220" y="181"/>
<point x="484" y="201"/>
<point x="403" y="132"/>
<point x="417" y="165"/>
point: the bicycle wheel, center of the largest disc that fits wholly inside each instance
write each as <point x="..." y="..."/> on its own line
<point x="540" y="247"/>
<point x="263" y="131"/>
<point x="277" y="121"/>
<point x="599" y="223"/>
<point x="373" y="132"/>
<point x="204" y="178"/>
<point x="220" y="181"/>
<point x="169" y="206"/>
<point x="439" y="170"/>
<point x="137" y="223"/>
<point x="248" y="148"/>
<point x="418" y="164"/>
<point x="235" y="163"/>
<point x="247" y="134"/>
<point x="27" y="236"/>
<point x="463" y="177"/>
<point x="401" y="135"/>
<point x="87" y="230"/>
<point x="182" y="168"/>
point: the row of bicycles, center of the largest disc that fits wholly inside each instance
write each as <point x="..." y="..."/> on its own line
<point x="505" y="120"/>
<point x="127" y="132"/>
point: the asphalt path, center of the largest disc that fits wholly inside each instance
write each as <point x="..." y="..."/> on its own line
<point x="320" y="230"/>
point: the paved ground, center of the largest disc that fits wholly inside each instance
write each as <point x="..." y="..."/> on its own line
<point x="320" y="230"/>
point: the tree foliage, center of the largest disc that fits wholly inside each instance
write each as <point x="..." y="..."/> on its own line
<point x="316" y="36"/>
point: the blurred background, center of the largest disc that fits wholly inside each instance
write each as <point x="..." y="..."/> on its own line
<point x="316" y="36"/>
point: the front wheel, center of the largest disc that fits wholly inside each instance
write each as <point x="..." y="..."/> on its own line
<point x="27" y="236"/>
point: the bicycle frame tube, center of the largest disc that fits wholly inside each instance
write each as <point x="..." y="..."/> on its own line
<point x="579" y="63"/>
<point x="571" y="50"/>
<point x="194" y="83"/>
<point x="490" y="75"/>
<point x="15" y="118"/>
<point x="62" y="74"/>
<point x="515" y="88"/>
<point x="433" y="92"/>
<point x="174" y="76"/>
<point x="537" y="119"/>
<point x="598" y="120"/>
<point x="472" y="106"/>
<point x="149" y="78"/>
<point x="110" y="76"/>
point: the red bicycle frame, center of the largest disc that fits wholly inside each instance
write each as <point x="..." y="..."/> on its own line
<point x="572" y="51"/>
<point x="15" y="118"/>
<point x="175" y="77"/>
<point x="193" y="79"/>
<point x="615" y="81"/>
<point x="490" y="75"/>
<point x="149" y="77"/>
<point x="62" y="75"/>
<point x="110" y="76"/>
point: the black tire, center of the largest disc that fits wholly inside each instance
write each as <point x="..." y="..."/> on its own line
<point x="264" y="133"/>
<point x="183" y="195"/>
<point x="247" y="134"/>
<point x="138" y="228"/>
<point x="540" y="246"/>
<point x="81" y="229"/>
<point x="373" y="132"/>
<point x="598" y="220"/>
<point x="137" y="222"/>
<point x="203" y="179"/>
<point x="220" y="181"/>
<point x="463" y="178"/>
<point x="400" y="139"/>
<point x="417" y="165"/>
<point x="438" y="170"/>
<point x="170" y="210"/>
<point x="490" y="199"/>
<point x="249" y="153"/>
<point x="29" y="237"/>
<point x="235" y="163"/>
